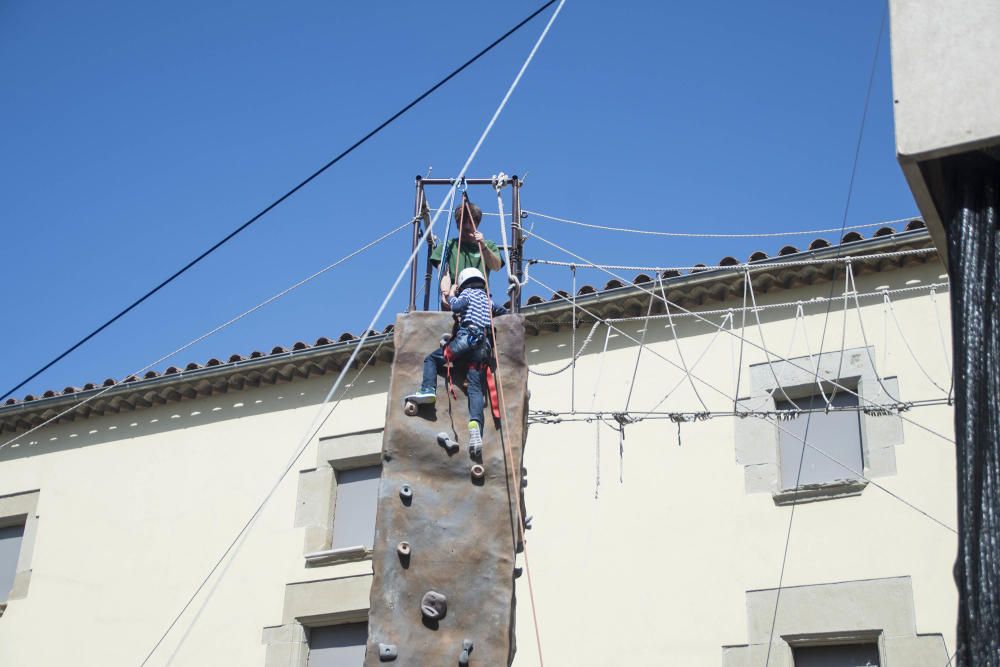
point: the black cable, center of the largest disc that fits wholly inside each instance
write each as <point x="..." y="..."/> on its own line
<point x="826" y="320"/>
<point x="280" y="199"/>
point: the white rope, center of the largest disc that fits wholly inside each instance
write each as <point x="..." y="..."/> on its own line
<point x="444" y="248"/>
<point x="864" y="335"/>
<point x="887" y="303"/>
<point x="572" y="396"/>
<point x="813" y="362"/>
<point x="742" y="337"/>
<point x="638" y="354"/>
<point x="680" y="353"/>
<point x="787" y="304"/>
<point x="700" y="317"/>
<point x="593" y="402"/>
<point x="324" y="413"/>
<point x="572" y="361"/>
<point x="702" y="235"/>
<point x="944" y="344"/>
<point x="762" y="265"/>
<point x="209" y="333"/>
<point x="542" y="416"/>
<point x="777" y="423"/>
<point x="763" y="344"/>
<point x="499" y="182"/>
<point x="697" y="361"/>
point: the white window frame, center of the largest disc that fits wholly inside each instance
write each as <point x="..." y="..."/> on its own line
<point x="758" y="440"/>
<point x="846" y="612"/>
<point x="312" y="604"/>
<point x="16" y="509"/>
<point x="317" y="495"/>
<point x="313" y="628"/>
<point x="823" y="639"/>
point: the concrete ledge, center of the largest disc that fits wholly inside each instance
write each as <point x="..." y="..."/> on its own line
<point x="809" y="493"/>
<point x="335" y="556"/>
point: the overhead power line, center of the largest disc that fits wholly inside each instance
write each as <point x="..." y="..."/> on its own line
<point x="274" y="204"/>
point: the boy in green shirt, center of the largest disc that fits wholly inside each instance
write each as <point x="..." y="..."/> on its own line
<point x="464" y="252"/>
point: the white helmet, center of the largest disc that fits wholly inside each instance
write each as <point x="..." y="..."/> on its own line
<point x="468" y="275"/>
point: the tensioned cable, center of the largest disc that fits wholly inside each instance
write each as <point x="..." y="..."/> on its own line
<point x="583" y="261"/>
<point x="540" y="415"/>
<point x="777" y="424"/>
<point x="702" y="235"/>
<point x="253" y="517"/>
<point x="785" y="304"/>
<point x="826" y="320"/>
<point x="209" y="333"/>
<point x="325" y="413"/>
<point x="744" y="266"/>
<point x="270" y="207"/>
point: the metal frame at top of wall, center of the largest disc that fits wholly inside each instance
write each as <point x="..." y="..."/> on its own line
<point x="421" y="213"/>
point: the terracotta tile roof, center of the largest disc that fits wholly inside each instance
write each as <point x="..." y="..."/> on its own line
<point x="324" y="343"/>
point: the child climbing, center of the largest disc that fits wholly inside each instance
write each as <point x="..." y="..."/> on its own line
<point x="470" y="345"/>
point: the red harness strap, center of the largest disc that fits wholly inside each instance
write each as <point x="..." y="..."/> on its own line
<point x="492" y="384"/>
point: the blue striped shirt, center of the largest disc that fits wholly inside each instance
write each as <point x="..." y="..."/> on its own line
<point x="474" y="306"/>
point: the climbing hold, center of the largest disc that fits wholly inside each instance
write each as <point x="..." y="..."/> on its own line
<point x="445" y="441"/>
<point x="524" y="482"/>
<point x="527" y="522"/>
<point x="387" y="652"/>
<point x="410" y="409"/>
<point x="406" y="494"/>
<point x="403" y="549"/>
<point x="518" y="572"/>
<point x="463" y="658"/>
<point x="478" y="472"/>
<point x="434" y="606"/>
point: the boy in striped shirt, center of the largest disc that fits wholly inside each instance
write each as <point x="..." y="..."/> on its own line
<point x="470" y="345"/>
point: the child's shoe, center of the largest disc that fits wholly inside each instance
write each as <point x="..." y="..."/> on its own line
<point x="423" y="397"/>
<point x="475" y="440"/>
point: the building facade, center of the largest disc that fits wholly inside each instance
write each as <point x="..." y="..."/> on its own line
<point x="669" y="488"/>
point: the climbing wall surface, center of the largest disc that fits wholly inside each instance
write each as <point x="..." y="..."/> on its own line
<point x="459" y="532"/>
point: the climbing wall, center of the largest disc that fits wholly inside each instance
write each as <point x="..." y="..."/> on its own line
<point x="444" y="540"/>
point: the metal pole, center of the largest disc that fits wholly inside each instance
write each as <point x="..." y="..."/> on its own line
<point x="413" y="246"/>
<point x="517" y="252"/>
<point x="425" y="215"/>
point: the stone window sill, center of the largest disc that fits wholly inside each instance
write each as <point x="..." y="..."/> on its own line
<point x="810" y="493"/>
<point x="339" y="555"/>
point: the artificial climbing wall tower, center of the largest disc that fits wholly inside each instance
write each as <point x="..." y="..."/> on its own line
<point x="447" y="533"/>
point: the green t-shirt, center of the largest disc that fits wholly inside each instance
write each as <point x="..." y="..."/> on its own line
<point x="468" y="257"/>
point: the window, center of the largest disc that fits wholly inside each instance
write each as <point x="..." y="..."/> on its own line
<point x="863" y="623"/>
<point x="841" y="655"/>
<point x="356" y="504"/>
<point x="11" y="538"/>
<point x="338" y="645"/>
<point x="837" y="434"/>
<point x="862" y="441"/>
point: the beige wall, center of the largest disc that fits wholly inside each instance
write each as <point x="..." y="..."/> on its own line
<point x="660" y="564"/>
<point x="656" y="570"/>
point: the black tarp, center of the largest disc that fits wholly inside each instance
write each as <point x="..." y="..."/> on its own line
<point x="974" y="268"/>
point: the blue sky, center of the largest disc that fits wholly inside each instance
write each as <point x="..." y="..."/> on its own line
<point x="136" y="136"/>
